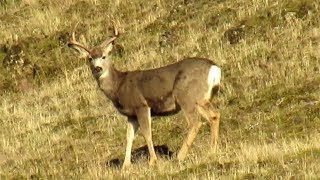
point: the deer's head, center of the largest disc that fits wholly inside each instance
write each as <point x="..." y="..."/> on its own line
<point x="98" y="56"/>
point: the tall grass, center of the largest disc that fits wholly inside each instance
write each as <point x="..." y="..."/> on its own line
<point x="65" y="128"/>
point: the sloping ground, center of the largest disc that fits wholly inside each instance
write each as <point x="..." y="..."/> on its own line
<point x="60" y="126"/>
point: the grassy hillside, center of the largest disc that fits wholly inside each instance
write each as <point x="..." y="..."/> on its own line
<point x="55" y="123"/>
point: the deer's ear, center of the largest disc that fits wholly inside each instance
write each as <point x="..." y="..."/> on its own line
<point x="107" y="50"/>
<point x="78" y="51"/>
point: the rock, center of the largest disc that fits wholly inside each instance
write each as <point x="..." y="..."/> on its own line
<point x="20" y="68"/>
<point x="234" y="35"/>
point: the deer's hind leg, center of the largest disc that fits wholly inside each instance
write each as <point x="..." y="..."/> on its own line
<point x="213" y="116"/>
<point x="194" y="124"/>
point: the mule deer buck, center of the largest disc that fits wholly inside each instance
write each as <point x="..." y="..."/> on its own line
<point x="187" y="85"/>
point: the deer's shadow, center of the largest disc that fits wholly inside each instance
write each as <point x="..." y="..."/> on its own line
<point x="143" y="153"/>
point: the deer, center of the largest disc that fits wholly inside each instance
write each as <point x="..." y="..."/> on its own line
<point x="187" y="85"/>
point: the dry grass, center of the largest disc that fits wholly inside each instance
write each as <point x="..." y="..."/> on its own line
<point x="270" y="102"/>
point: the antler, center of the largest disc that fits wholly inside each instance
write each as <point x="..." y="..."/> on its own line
<point x="116" y="33"/>
<point x="74" y="42"/>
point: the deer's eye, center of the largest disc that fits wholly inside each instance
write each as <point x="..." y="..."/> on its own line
<point x="90" y="59"/>
<point x="103" y="57"/>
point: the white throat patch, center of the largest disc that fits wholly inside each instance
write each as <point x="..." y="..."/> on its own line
<point x="104" y="74"/>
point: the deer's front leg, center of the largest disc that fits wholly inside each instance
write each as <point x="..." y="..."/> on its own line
<point x="144" y="119"/>
<point x="131" y="129"/>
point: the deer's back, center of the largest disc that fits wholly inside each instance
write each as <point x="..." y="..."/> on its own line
<point x="159" y="88"/>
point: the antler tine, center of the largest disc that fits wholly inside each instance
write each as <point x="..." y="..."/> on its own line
<point x="74" y="41"/>
<point x="116" y="33"/>
<point x="73" y="36"/>
<point x="73" y="32"/>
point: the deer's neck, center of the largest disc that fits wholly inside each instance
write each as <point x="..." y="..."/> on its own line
<point x="110" y="81"/>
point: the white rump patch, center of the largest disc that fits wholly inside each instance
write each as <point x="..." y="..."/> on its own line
<point x="214" y="77"/>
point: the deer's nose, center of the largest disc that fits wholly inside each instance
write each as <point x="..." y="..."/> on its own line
<point x="98" y="69"/>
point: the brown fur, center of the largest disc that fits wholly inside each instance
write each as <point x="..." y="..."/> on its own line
<point x="162" y="91"/>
